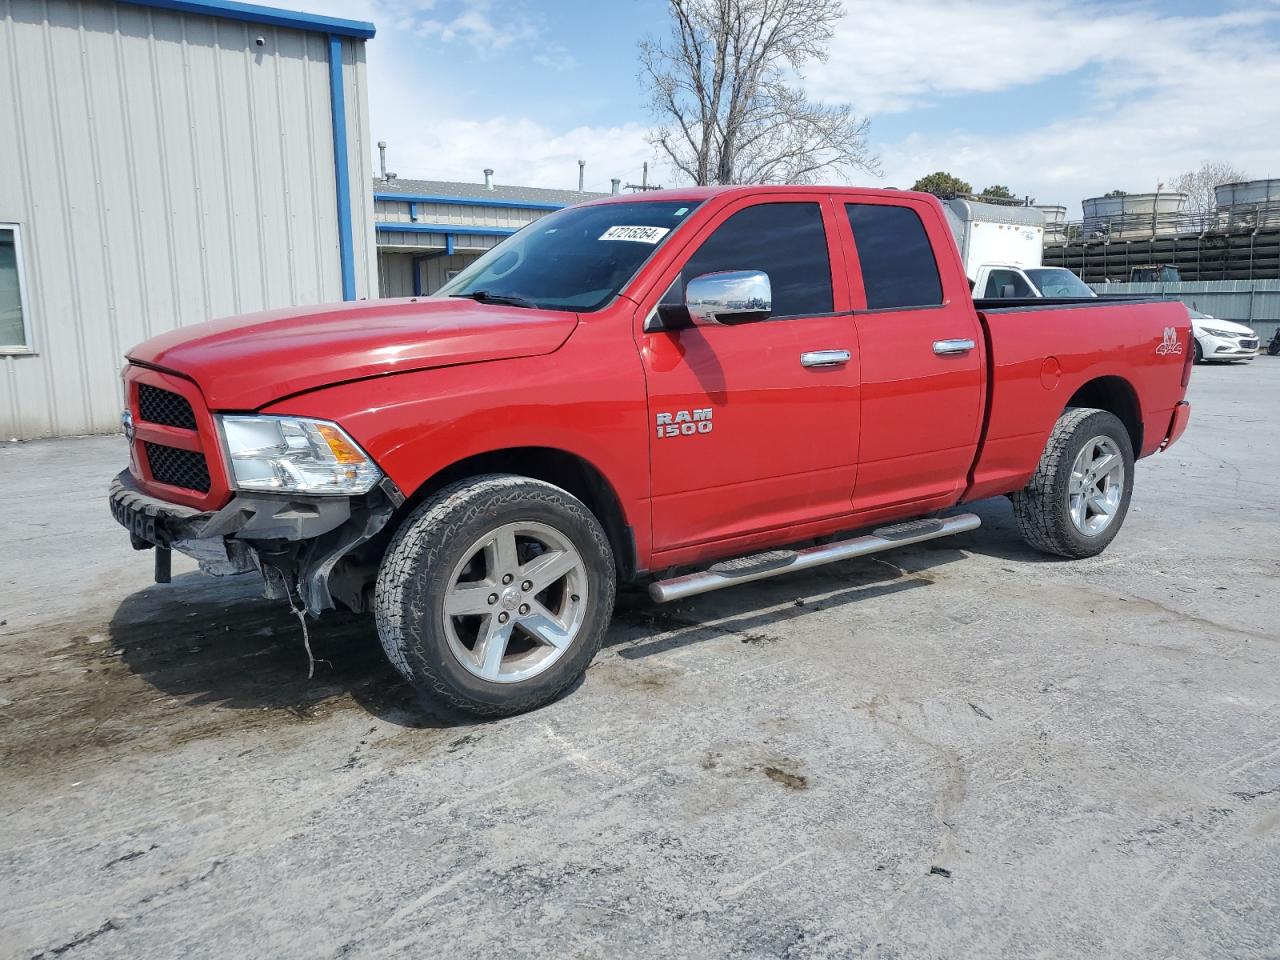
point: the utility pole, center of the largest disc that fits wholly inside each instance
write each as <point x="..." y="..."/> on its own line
<point x="644" y="185"/>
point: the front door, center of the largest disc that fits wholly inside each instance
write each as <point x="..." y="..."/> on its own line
<point x="748" y="431"/>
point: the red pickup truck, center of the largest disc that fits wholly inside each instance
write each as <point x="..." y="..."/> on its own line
<point x="695" y="388"/>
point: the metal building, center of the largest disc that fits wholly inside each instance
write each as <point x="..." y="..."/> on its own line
<point x="428" y="230"/>
<point x="165" y="162"/>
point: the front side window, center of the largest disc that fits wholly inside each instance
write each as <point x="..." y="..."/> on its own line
<point x="898" y="266"/>
<point x="785" y="240"/>
<point x="1003" y="284"/>
<point x="574" y="259"/>
<point x="13" y="319"/>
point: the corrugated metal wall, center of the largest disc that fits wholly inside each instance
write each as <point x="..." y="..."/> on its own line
<point x="165" y="170"/>
<point x="426" y="242"/>
<point x="472" y="215"/>
<point x="395" y="272"/>
<point x="1252" y="302"/>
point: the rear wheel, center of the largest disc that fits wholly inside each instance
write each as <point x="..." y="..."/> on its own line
<point x="495" y="594"/>
<point x="1078" y="497"/>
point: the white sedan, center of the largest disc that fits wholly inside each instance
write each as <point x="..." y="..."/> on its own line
<point x="1221" y="339"/>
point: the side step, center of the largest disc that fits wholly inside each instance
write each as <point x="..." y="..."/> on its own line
<point x="761" y="566"/>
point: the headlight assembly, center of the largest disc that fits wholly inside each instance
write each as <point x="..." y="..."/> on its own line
<point x="295" y="455"/>
<point x="1225" y="334"/>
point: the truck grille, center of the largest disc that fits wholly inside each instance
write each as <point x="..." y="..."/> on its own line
<point x="177" y="467"/>
<point x="164" y="407"/>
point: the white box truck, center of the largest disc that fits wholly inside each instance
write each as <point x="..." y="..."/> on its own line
<point x="1002" y="247"/>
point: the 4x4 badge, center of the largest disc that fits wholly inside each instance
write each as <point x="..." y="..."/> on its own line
<point x="1169" y="344"/>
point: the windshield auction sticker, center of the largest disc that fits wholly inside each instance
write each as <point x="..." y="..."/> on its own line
<point x="636" y="234"/>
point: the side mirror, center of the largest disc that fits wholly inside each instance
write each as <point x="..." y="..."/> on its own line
<point x="728" y="297"/>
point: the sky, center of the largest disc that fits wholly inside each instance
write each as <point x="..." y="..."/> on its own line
<point x="1056" y="100"/>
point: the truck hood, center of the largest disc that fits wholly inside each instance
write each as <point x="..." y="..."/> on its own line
<point x="246" y="362"/>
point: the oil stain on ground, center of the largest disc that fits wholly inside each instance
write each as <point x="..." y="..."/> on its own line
<point x="193" y="660"/>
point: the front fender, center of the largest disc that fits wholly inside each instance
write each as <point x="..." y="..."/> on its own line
<point x="587" y="399"/>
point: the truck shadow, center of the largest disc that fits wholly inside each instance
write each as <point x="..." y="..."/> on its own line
<point x="217" y="642"/>
<point x="751" y="611"/>
<point x="211" y="641"/>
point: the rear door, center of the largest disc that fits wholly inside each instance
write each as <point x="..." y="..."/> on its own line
<point x="921" y="353"/>
<point x="748" y="431"/>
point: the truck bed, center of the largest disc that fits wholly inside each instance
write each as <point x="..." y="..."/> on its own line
<point x="1045" y="355"/>
<point x="986" y="305"/>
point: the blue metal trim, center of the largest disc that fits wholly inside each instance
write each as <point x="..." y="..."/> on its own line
<point x="448" y="244"/>
<point x="271" y="16"/>
<point x="417" y="275"/>
<point x="413" y="211"/>
<point x="338" y="102"/>
<point x="470" y="201"/>
<point x="445" y="228"/>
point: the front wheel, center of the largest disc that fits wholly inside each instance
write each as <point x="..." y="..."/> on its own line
<point x="495" y="594"/>
<point x="1197" y="351"/>
<point x="1079" y="495"/>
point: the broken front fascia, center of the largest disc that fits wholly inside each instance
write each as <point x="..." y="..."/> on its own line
<point x="295" y="542"/>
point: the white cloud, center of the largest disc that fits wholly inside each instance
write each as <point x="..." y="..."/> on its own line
<point x="1164" y="92"/>
<point x="521" y="151"/>
<point x="426" y="135"/>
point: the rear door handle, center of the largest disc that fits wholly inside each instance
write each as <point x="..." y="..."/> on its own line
<point x="950" y="348"/>
<point x="824" y="358"/>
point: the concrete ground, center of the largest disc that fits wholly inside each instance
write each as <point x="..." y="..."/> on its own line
<point x="959" y="750"/>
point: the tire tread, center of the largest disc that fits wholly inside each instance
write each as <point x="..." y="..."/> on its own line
<point x="1037" y="507"/>
<point x="417" y="546"/>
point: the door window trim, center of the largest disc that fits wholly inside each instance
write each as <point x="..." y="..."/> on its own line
<point x="842" y="298"/>
<point x="857" y="289"/>
<point x="27" y="348"/>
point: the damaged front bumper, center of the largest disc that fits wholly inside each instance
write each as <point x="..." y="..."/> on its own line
<point x="303" y="545"/>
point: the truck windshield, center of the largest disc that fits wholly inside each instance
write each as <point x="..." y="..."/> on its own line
<point x="1058" y="282"/>
<point x="574" y="259"/>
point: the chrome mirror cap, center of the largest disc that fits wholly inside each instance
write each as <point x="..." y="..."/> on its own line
<point x="729" y="296"/>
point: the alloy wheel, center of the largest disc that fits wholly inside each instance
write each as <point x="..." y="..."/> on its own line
<point x="515" y="602"/>
<point x="1096" y="487"/>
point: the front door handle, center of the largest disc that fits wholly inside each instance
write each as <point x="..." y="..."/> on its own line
<point x="824" y="358"/>
<point x="951" y="348"/>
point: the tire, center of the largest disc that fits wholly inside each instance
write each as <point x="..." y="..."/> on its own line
<point x="1047" y="508"/>
<point x="1199" y="354"/>
<point x="451" y="548"/>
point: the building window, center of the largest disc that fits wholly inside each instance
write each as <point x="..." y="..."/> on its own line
<point x="15" y="335"/>
<point x="451" y="275"/>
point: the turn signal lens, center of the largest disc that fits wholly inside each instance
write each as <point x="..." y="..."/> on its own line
<point x="344" y="451"/>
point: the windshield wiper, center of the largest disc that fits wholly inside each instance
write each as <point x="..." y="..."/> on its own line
<point x="505" y="299"/>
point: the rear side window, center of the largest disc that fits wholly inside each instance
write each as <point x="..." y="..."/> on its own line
<point x="898" y="266"/>
<point x="786" y="241"/>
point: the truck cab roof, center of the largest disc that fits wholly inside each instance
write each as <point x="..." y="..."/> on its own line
<point x="699" y="194"/>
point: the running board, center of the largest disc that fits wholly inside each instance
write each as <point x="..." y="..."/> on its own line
<point x="728" y="573"/>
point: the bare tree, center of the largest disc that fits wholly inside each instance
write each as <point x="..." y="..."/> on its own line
<point x="1199" y="186"/>
<point x="720" y="87"/>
